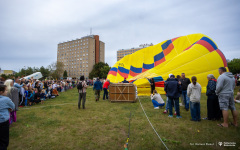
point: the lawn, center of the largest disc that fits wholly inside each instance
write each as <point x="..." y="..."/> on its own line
<point x="58" y="124"/>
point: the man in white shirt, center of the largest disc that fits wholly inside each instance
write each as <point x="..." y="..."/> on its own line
<point x="157" y="100"/>
<point x="54" y="85"/>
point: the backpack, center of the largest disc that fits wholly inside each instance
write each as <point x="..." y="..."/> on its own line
<point x="80" y="86"/>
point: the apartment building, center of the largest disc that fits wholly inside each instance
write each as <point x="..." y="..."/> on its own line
<point x="80" y="55"/>
<point x="123" y="52"/>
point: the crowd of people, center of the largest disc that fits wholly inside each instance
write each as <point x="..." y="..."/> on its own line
<point x="15" y="93"/>
<point x="220" y="97"/>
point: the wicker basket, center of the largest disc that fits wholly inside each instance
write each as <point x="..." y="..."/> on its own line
<point x="122" y="92"/>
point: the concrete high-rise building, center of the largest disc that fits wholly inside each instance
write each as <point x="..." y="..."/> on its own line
<point x="79" y="56"/>
<point x="123" y="52"/>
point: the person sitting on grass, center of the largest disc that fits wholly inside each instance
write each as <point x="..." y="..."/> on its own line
<point x="194" y="92"/>
<point x="157" y="100"/>
<point x="42" y="96"/>
<point x="6" y="106"/>
<point x="237" y="98"/>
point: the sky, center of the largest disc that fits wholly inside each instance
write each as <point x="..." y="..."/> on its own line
<point x="31" y="29"/>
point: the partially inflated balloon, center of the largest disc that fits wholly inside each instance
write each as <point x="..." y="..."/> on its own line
<point x="195" y="55"/>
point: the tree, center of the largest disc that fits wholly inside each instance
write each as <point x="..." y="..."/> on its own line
<point x="45" y="72"/>
<point x="29" y="71"/>
<point x="5" y="77"/>
<point x="234" y="65"/>
<point x="56" y="69"/>
<point x="100" y="70"/>
<point x="65" y="74"/>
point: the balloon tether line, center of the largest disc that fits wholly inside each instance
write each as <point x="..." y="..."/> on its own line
<point x="152" y="125"/>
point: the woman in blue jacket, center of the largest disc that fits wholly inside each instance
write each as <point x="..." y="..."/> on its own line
<point x="6" y="105"/>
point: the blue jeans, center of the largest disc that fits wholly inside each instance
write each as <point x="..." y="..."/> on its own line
<point x="176" y="101"/>
<point x="156" y="104"/>
<point x="167" y="105"/>
<point x="105" y="93"/>
<point x="26" y="102"/>
<point x="195" y="110"/>
<point x="186" y="99"/>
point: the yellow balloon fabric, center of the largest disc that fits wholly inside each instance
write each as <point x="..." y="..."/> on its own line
<point x="194" y="54"/>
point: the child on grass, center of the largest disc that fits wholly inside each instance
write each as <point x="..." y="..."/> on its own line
<point x="194" y="92"/>
<point x="31" y="97"/>
<point x="37" y="96"/>
<point x="42" y="96"/>
<point x="26" y="95"/>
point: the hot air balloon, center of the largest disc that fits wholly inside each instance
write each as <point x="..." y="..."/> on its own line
<point x="194" y="54"/>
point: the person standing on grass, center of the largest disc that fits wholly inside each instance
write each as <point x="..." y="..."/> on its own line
<point x="213" y="110"/>
<point x="97" y="87"/>
<point x="6" y="106"/>
<point x="1" y="80"/>
<point x="194" y="92"/>
<point x="42" y="96"/>
<point x="181" y="97"/>
<point x="82" y="90"/>
<point x="185" y="82"/>
<point x="17" y="85"/>
<point x="105" y="89"/>
<point x="46" y="85"/>
<point x="157" y="100"/>
<point x="225" y="91"/>
<point x="26" y="95"/>
<point x="172" y="89"/>
<point x="152" y="85"/>
<point x="13" y="95"/>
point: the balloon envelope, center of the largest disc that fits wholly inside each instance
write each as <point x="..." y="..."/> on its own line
<point x="194" y="54"/>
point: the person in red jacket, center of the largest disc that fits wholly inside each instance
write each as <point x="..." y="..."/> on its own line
<point x="105" y="89"/>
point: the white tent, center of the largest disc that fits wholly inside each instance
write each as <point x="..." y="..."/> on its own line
<point x="36" y="75"/>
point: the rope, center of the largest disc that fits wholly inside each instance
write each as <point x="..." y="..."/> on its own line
<point x="152" y="125"/>
<point x="129" y="128"/>
<point x="129" y="124"/>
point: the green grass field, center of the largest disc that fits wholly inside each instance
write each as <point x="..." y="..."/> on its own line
<point x="58" y="124"/>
